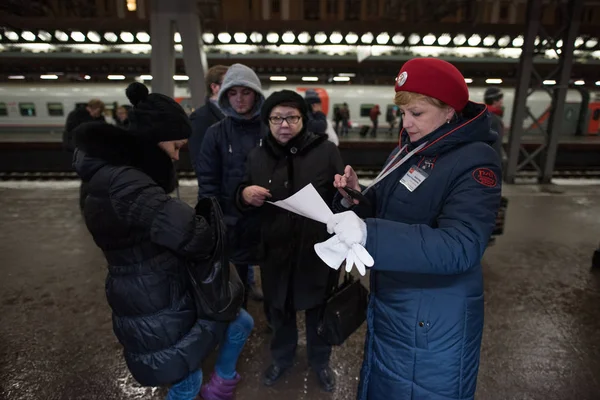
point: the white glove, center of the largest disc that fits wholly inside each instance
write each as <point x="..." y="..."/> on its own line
<point x="349" y="227"/>
<point x="333" y="252"/>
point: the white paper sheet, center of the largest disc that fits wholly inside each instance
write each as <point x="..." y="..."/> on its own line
<point x="308" y="203"/>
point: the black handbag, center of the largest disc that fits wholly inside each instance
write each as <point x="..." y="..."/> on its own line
<point x="217" y="288"/>
<point x="344" y="312"/>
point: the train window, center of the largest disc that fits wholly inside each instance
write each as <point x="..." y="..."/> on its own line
<point x="55" y="109"/>
<point x="365" y="109"/>
<point x="3" y="110"/>
<point x="27" y="109"/>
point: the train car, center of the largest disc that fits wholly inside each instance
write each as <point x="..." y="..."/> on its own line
<point x="43" y="108"/>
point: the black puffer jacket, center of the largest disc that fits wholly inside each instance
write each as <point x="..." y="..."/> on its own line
<point x="289" y="263"/>
<point x="146" y="237"/>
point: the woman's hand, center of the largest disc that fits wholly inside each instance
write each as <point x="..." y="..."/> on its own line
<point x="255" y="195"/>
<point x="349" y="179"/>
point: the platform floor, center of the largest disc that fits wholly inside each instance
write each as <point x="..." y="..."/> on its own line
<point x="542" y="322"/>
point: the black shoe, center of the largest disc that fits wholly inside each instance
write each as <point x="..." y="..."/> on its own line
<point x="326" y="379"/>
<point x="256" y="293"/>
<point x="272" y="374"/>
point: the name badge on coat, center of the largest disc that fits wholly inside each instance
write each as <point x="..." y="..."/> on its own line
<point x="413" y="178"/>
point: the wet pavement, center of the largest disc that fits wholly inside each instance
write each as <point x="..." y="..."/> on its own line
<point x="542" y="322"/>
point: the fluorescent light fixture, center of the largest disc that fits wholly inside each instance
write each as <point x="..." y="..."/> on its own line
<point x="351" y="38"/>
<point x="111" y="37"/>
<point x="350" y="74"/>
<point x="146" y="77"/>
<point x="78" y="36"/>
<point x="115" y="77"/>
<point x="45" y="36"/>
<point x="367" y="38"/>
<point x="29" y="36"/>
<point x="16" y="77"/>
<point x="383" y="38"/>
<point x="240" y="37"/>
<point x="429" y="39"/>
<point x="414" y="39"/>
<point x="493" y="81"/>
<point x="177" y="37"/>
<point x="320" y="37"/>
<point x="60" y="35"/>
<point x="549" y="82"/>
<point x="489" y="40"/>
<point x="49" y="76"/>
<point x="503" y="41"/>
<point x="559" y="43"/>
<point x="127" y="37"/>
<point x="273" y="37"/>
<point x="178" y="48"/>
<point x="224" y="37"/>
<point x="459" y="40"/>
<point x="336" y="38"/>
<point x="94" y="37"/>
<point x="181" y="77"/>
<point x="208" y="37"/>
<point x="579" y="82"/>
<point x="341" y="78"/>
<point x="578" y="42"/>
<point x="474" y="40"/>
<point x="397" y="39"/>
<point x="87" y="77"/>
<point x="304" y="37"/>
<point x="12" y="35"/>
<point x="518" y="41"/>
<point x="591" y="43"/>
<point x="310" y="78"/>
<point x="288" y="37"/>
<point x="597" y="83"/>
<point x="468" y="80"/>
<point x="278" y="78"/>
<point x="143" y="37"/>
<point x="256" y="37"/>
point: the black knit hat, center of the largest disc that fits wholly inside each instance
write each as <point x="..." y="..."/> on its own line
<point x="156" y="117"/>
<point x="492" y="94"/>
<point x="283" y="96"/>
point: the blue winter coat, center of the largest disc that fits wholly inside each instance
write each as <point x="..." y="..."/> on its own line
<point x="202" y="119"/>
<point x="425" y="314"/>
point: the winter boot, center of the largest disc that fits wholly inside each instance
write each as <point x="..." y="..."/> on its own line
<point x="220" y="389"/>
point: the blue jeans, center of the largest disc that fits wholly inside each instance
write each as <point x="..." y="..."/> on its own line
<point x="229" y="352"/>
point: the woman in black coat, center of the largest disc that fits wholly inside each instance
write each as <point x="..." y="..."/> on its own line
<point x="148" y="238"/>
<point x="294" y="277"/>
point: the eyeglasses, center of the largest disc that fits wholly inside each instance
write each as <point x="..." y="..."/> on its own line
<point x="290" y="119"/>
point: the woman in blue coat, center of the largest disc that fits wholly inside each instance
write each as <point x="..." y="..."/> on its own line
<point x="426" y="224"/>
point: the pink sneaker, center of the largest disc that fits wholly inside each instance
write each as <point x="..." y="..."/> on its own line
<point x="220" y="389"/>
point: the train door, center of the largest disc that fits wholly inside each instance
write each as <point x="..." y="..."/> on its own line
<point x="323" y="95"/>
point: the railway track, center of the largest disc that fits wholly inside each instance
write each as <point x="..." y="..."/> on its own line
<point x="575" y="173"/>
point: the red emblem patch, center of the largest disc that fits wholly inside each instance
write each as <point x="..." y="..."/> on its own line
<point x="485" y="176"/>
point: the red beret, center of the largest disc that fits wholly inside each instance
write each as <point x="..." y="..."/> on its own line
<point x="434" y="78"/>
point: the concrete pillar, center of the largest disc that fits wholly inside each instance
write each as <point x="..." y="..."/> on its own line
<point x="285" y="9"/>
<point x="266" y="9"/>
<point x="495" y="12"/>
<point x="162" y="59"/>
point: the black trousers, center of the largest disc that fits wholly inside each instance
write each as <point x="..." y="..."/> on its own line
<point x="83" y="192"/>
<point x="242" y="270"/>
<point x="285" y="339"/>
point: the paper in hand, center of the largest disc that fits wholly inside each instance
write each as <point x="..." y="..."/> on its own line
<point x="308" y="203"/>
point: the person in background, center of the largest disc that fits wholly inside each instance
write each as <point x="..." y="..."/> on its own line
<point x="374" y="116"/>
<point x="317" y="121"/>
<point x="207" y="115"/>
<point x="345" y="117"/>
<point x="294" y="278"/>
<point x="148" y="238"/>
<point x="390" y="117"/>
<point x="221" y="162"/>
<point x="494" y="100"/>
<point x="93" y="112"/>
<point x="427" y="226"/>
<point x="121" y="118"/>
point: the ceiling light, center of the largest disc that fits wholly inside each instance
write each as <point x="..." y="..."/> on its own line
<point x="288" y="37"/>
<point x="591" y="43"/>
<point x="310" y="78"/>
<point x="579" y="41"/>
<point x="383" y="38"/>
<point x="459" y="40"/>
<point x="177" y="37"/>
<point x="240" y="37"/>
<point x="78" y="36"/>
<point x="115" y="77"/>
<point x="336" y="38"/>
<point x="341" y="78"/>
<point x="444" y="39"/>
<point x="503" y="41"/>
<point x="111" y="37"/>
<point x="181" y="77"/>
<point x="224" y="37"/>
<point x="87" y="77"/>
<point x="278" y="78"/>
<point x="45" y="36"/>
<point x="16" y="77"/>
<point x="12" y="35"/>
<point x="272" y="37"/>
<point x="429" y="39"/>
<point x="474" y="40"/>
<point x="597" y="83"/>
<point x="493" y="81"/>
<point x="146" y="77"/>
<point x="468" y="80"/>
<point x="127" y="37"/>
<point x="94" y="37"/>
<point x="351" y="38"/>
<point x="60" y="35"/>
<point x="29" y="36"/>
<point x="256" y="37"/>
<point x="414" y="39"/>
<point x="48" y="76"/>
<point x="320" y="38"/>
<point x="367" y="38"/>
<point x="304" y="37"/>
<point x="208" y="37"/>
<point x="143" y="37"/>
<point x="549" y="82"/>
<point x="579" y="82"/>
<point x="489" y="40"/>
<point x="518" y="41"/>
<point x="350" y="74"/>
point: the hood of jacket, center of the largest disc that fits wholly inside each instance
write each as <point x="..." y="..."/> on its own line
<point x="472" y="126"/>
<point x="240" y="75"/>
<point x="99" y="145"/>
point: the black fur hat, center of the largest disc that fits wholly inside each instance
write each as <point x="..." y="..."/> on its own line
<point x="156" y="117"/>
